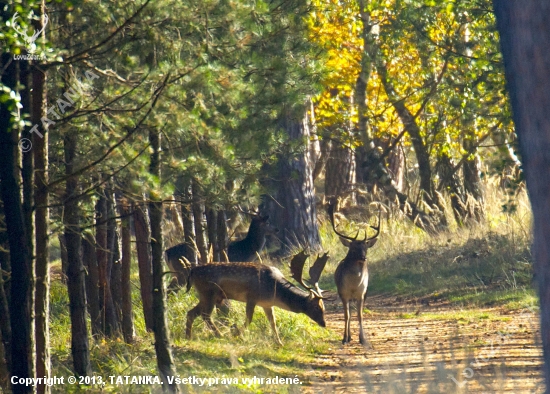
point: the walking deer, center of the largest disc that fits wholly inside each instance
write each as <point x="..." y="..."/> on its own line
<point x="245" y="250"/>
<point x="352" y="276"/>
<point x="254" y="284"/>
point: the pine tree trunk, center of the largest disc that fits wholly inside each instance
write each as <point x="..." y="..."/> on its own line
<point x="114" y="268"/>
<point x="340" y="173"/>
<point x="75" y="271"/>
<point x="27" y="179"/>
<point x="188" y="223"/>
<point x="472" y="180"/>
<point x="64" y="258"/>
<point x="5" y="338"/>
<point x="143" y="247"/>
<point x="126" y="260"/>
<point x="524" y="28"/>
<point x="41" y="216"/>
<point x="223" y="238"/>
<point x="450" y="181"/>
<point x="212" y="230"/>
<point x="116" y="275"/>
<point x="324" y="153"/>
<point x="104" y="241"/>
<point x="92" y="282"/>
<point x="198" y="209"/>
<point x="294" y="212"/>
<point x="20" y="282"/>
<point x="175" y="217"/>
<point x="5" y="324"/>
<point x="4" y="371"/>
<point x="163" y="348"/>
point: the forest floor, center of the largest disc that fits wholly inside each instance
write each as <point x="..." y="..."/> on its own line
<point x="422" y="345"/>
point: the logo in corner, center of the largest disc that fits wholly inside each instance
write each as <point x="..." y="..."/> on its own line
<point x="29" y="40"/>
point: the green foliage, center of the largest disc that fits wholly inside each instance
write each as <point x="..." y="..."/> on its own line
<point x="214" y="77"/>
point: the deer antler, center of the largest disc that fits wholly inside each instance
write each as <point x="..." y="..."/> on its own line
<point x="330" y="211"/>
<point x="316" y="269"/>
<point x="297" y="267"/>
<point x="377" y="228"/>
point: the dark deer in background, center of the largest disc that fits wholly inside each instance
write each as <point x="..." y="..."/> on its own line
<point x="255" y="284"/>
<point x="245" y="250"/>
<point x="352" y="276"/>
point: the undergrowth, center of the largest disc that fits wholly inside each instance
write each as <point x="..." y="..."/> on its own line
<point x="482" y="265"/>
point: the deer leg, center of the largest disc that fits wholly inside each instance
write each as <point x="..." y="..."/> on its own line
<point x="347" y="336"/>
<point x="207" y="316"/>
<point x="249" y="313"/>
<point x="191" y="316"/>
<point x="271" y="318"/>
<point x="223" y="309"/>
<point x="360" y="303"/>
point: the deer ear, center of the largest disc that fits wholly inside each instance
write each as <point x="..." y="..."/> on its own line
<point x="371" y="242"/>
<point x="345" y="242"/>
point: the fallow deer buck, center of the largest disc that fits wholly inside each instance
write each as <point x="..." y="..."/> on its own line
<point x="352" y="276"/>
<point x="254" y="284"/>
<point x="245" y="250"/>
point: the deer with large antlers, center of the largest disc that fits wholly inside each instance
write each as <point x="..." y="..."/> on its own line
<point x="254" y="284"/>
<point x="352" y="275"/>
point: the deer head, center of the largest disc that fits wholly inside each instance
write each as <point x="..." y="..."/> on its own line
<point x="357" y="247"/>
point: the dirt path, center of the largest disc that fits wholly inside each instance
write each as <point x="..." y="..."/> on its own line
<point x="432" y="348"/>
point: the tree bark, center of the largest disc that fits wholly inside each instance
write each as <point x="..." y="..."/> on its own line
<point x="163" y="348"/>
<point x="27" y="179"/>
<point x="472" y="180"/>
<point x="92" y="282"/>
<point x="293" y="209"/>
<point x="143" y="246"/>
<point x="75" y="271"/>
<point x="115" y="281"/>
<point x="223" y="237"/>
<point x="126" y="261"/>
<point x="114" y="268"/>
<point x="198" y="208"/>
<point x="64" y="258"/>
<point x="450" y="181"/>
<point x="524" y="29"/>
<point x="324" y="153"/>
<point x="212" y="230"/>
<point x="188" y="223"/>
<point x="20" y="283"/>
<point x="109" y="322"/>
<point x="340" y="173"/>
<point x="41" y="216"/>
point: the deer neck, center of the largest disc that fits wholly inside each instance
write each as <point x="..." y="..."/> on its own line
<point x="289" y="297"/>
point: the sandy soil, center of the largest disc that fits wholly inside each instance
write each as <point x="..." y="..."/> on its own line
<point x="413" y="351"/>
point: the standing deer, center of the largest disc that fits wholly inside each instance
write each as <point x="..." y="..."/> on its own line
<point x="245" y="250"/>
<point x="255" y="284"/>
<point x="352" y="276"/>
